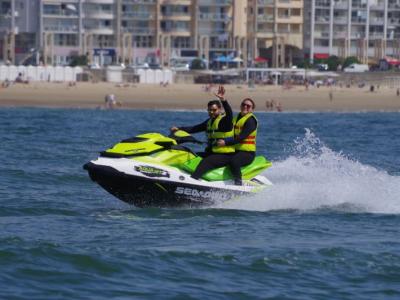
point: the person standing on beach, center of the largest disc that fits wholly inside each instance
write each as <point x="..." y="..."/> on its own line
<point x="218" y="126"/>
<point x="244" y="140"/>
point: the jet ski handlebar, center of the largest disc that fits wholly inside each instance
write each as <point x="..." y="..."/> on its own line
<point x="181" y="137"/>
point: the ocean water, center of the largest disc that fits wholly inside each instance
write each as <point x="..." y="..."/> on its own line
<point x="329" y="228"/>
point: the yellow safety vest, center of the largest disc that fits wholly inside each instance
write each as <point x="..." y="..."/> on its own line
<point x="249" y="143"/>
<point x="213" y="134"/>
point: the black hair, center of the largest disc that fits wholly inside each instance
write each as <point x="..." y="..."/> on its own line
<point x="251" y="100"/>
<point x="214" y="102"/>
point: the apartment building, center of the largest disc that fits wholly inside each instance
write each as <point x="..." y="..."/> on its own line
<point x="134" y="31"/>
<point x="18" y="30"/>
<point x="368" y="29"/>
<point x="111" y="31"/>
<point x="275" y="28"/>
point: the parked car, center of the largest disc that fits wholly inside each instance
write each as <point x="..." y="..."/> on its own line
<point x="356" y="68"/>
<point x="94" y="66"/>
<point x="322" y="67"/>
<point x="181" y="67"/>
<point x="155" y="66"/>
<point x="138" y="66"/>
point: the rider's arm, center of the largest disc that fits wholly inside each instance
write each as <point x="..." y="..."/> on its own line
<point x="196" y="128"/>
<point x="249" y="126"/>
<point x="226" y="122"/>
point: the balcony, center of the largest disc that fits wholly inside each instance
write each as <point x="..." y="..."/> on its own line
<point x="324" y="4"/>
<point x="339" y="35"/>
<point x="264" y="30"/>
<point x="356" y="6"/>
<point x="176" y="30"/>
<point x="266" y="2"/>
<point x="57" y="12"/>
<point x="376" y="21"/>
<point x="378" y="6"/>
<point x="100" y="30"/>
<point x="322" y="19"/>
<point x="265" y="18"/>
<point x="212" y="31"/>
<point x="59" y="28"/>
<point x="394" y="22"/>
<point x="216" y="3"/>
<point x="99" y="14"/>
<point x="341" y="5"/>
<point x="138" y="1"/>
<point x="394" y="6"/>
<point x="100" y="1"/>
<point x="138" y="15"/>
<point x="340" y="20"/>
<point x="375" y="35"/>
<point x="214" y="17"/>
<point x="168" y="14"/>
<point x="358" y="35"/>
<point x="358" y="20"/>
<point x="176" y="2"/>
<point x="321" y="34"/>
<point x="139" y="30"/>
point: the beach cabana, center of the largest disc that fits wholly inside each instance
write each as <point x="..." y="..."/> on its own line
<point x="4" y="73"/>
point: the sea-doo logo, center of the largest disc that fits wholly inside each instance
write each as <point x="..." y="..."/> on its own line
<point x="202" y="194"/>
<point x="151" y="171"/>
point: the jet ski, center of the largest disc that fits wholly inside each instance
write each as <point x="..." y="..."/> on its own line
<point x="153" y="170"/>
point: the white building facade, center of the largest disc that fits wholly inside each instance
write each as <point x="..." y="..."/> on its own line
<point x="367" y="29"/>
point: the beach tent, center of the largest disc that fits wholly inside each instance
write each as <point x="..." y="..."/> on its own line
<point x="40" y="73"/>
<point x="31" y="73"/>
<point x="75" y="72"/>
<point x="159" y="76"/>
<point x="4" y="73"/>
<point x="150" y="77"/>
<point x="168" y="76"/>
<point x="68" y="74"/>
<point x="12" y="73"/>
<point x="22" y="70"/>
<point x="49" y="73"/>
<point x="59" y="73"/>
<point x="142" y="75"/>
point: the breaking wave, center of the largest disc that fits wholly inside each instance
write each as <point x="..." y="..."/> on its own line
<point x="314" y="177"/>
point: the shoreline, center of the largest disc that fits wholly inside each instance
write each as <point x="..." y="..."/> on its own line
<point x="193" y="97"/>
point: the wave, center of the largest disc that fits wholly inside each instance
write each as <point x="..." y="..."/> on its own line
<point x="314" y="177"/>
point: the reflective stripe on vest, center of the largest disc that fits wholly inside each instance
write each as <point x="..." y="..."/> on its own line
<point x="249" y="143"/>
<point x="213" y="134"/>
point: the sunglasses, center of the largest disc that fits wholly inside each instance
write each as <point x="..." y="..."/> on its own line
<point x="246" y="105"/>
<point x="213" y="109"/>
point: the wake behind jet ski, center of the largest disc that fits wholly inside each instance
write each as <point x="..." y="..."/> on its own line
<point x="153" y="170"/>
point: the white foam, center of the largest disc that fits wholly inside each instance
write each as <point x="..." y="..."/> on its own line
<point x="315" y="177"/>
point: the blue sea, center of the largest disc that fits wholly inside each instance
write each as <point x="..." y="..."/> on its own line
<point x="329" y="227"/>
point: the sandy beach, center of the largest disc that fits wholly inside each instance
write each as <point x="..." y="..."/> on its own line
<point x="191" y="96"/>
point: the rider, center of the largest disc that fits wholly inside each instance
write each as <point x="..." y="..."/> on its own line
<point x="218" y="126"/>
<point x="245" y="133"/>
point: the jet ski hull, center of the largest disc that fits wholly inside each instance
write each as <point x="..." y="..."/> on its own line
<point x="144" y="191"/>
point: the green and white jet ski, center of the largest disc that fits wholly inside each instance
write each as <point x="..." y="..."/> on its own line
<point x="153" y="170"/>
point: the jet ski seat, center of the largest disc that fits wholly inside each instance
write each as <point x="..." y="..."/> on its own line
<point x="259" y="164"/>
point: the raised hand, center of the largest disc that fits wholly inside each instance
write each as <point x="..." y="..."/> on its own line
<point x="221" y="93"/>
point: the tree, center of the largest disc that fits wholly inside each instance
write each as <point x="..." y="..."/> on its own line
<point x="197" y="64"/>
<point x="304" y="64"/>
<point x="350" y="60"/>
<point x="333" y="62"/>
<point x="78" y="60"/>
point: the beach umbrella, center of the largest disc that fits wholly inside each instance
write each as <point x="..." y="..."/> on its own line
<point x="221" y="58"/>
